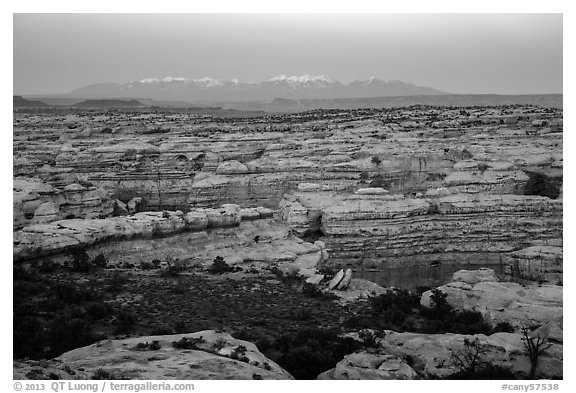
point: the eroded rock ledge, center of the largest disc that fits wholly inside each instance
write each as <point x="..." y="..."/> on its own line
<point x="376" y="229"/>
<point x="59" y="236"/>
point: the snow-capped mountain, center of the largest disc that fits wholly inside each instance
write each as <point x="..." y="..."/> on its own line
<point x="212" y="90"/>
<point x="304" y="81"/>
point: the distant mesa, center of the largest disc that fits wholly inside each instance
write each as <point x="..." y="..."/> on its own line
<point x="19" y="102"/>
<point x="109" y="104"/>
<point x="282" y="86"/>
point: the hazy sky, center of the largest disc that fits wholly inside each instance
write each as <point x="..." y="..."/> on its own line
<point x="459" y="53"/>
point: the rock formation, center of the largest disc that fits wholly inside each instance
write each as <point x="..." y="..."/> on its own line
<point x="201" y="355"/>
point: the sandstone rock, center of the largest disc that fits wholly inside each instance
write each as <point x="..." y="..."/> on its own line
<point x="120" y="208"/>
<point x="46" y="212"/>
<point x="359" y="289"/>
<point x="430" y="354"/>
<point x="249" y="214"/>
<point x="343" y="284"/>
<point x="371" y="191"/>
<point x="123" y="360"/>
<point x="196" y="220"/>
<point x="475" y="276"/>
<point x="231" y="167"/>
<point x="336" y="280"/>
<point x="315" y="279"/>
<point x="134" y="205"/>
<point x="506" y="302"/>
<point x="369" y="366"/>
<point x="539" y="262"/>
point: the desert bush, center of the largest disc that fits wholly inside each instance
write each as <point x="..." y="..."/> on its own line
<point x="153" y="346"/>
<point x="376" y="160"/>
<point x="101" y="374"/>
<point x="504" y="327"/>
<point x="220" y="266"/>
<point x="80" y="261"/>
<point x="188" y="343"/>
<point x="395" y="306"/>
<point x="174" y="267"/>
<point x="540" y="184"/>
<point x="219" y="344"/>
<point x="371" y="338"/>
<point x="309" y="351"/>
<point x="239" y="353"/>
<point x="469" y="358"/>
<point x="100" y="261"/>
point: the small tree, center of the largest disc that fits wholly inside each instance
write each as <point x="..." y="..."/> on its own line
<point x="469" y="359"/>
<point x="535" y="344"/>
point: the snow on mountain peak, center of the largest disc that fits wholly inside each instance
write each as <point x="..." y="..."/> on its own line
<point x="305" y="80"/>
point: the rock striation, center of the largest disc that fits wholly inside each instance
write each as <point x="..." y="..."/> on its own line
<point x="175" y="161"/>
<point x="380" y="230"/>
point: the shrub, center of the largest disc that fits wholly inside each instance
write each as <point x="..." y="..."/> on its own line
<point x="540" y="184"/>
<point x="153" y="346"/>
<point x="80" y="261"/>
<point x="145" y="265"/>
<point x="174" y="268"/>
<point x="376" y="161"/>
<point x="219" y="344"/>
<point x="188" y="343"/>
<point x="395" y="306"/>
<point x="504" y="327"/>
<point x="100" y="261"/>
<point x="482" y="167"/>
<point x="310" y="351"/>
<point x="469" y="358"/>
<point x="370" y="338"/>
<point x="220" y="266"/>
<point x="101" y="374"/>
<point x="239" y="353"/>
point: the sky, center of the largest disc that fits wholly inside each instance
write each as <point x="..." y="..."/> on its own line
<point x="456" y="53"/>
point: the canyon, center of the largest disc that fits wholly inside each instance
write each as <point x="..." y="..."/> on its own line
<point x="308" y="193"/>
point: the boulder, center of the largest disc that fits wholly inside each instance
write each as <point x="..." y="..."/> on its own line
<point x="333" y="284"/>
<point x="134" y="205"/>
<point x="343" y="284"/>
<point x="370" y="366"/>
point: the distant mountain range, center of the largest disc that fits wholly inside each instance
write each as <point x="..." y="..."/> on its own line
<point x="209" y="90"/>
